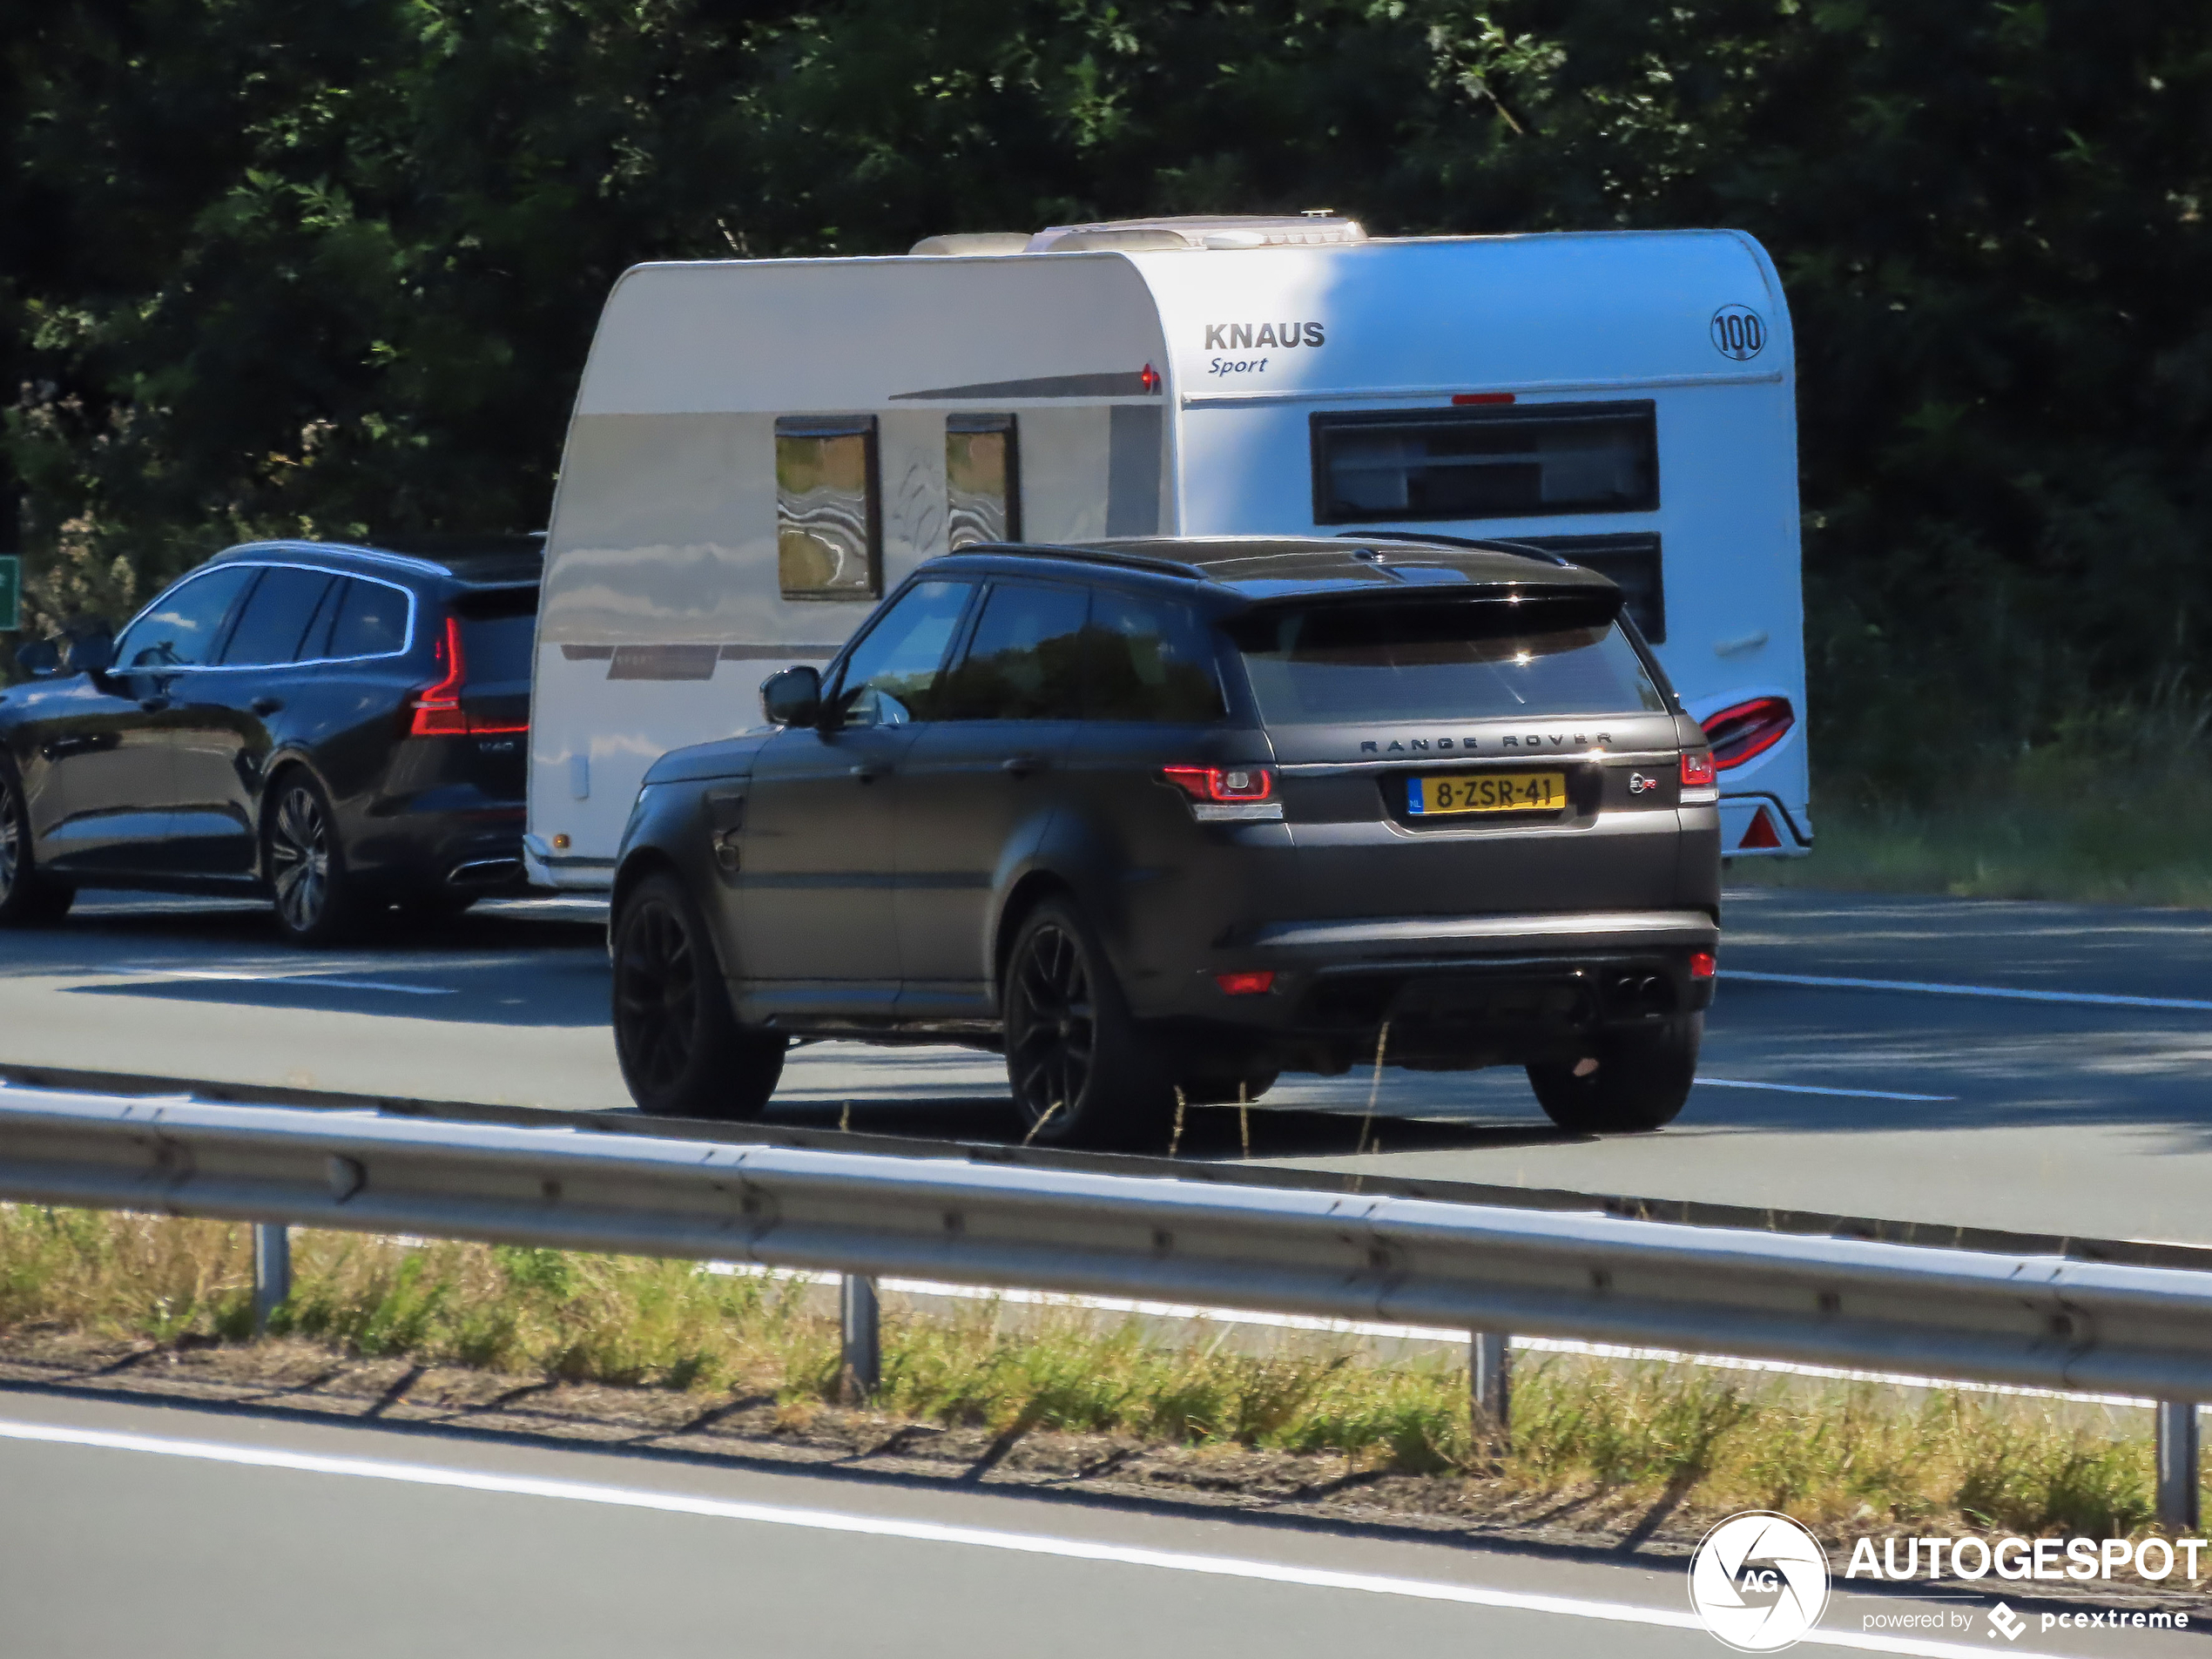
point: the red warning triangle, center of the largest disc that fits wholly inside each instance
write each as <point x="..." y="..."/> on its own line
<point x="1761" y="834"/>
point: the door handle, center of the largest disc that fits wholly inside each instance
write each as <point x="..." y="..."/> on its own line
<point x="266" y="705"/>
<point x="1023" y="765"/>
<point x="868" y="771"/>
<point x="153" y="705"/>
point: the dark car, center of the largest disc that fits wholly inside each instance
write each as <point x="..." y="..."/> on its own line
<point x="341" y="728"/>
<point x="1174" y="816"/>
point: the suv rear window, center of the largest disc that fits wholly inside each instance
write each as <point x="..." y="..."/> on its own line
<point x="1471" y="660"/>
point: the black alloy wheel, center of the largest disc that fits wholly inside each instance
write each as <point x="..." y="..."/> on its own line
<point x="27" y="898"/>
<point x="1633" y="1082"/>
<point x="316" y="902"/>
<point x="1081" y="1070"/>
<point x="682" y="1050"/>
<point x="1050" y="1004"/>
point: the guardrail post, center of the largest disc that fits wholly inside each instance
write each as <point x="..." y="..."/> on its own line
<point x="861" y="1373"/>
<point x="2177" y="1465"/>
<point x="1491" y="1377"/>
<point x="272" y="1272"/>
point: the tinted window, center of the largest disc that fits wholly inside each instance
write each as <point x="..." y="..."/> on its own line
<point x="1485" y="463"/>
<point x="275" y="623"/>
<point x="371" y="620"/>
<point x="184" y="626"/>
<point x="1150" y="660"/>
<point x="829" y="536"/>
<point x="1441" y="661"/>
<point x="498" y="633"/>
<point x="1025" y="661"/>
<point x="892" y="675"/>
<point x="982" y="479"/>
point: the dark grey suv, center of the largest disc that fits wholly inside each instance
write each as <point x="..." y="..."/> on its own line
<point x="1180" y="815"/>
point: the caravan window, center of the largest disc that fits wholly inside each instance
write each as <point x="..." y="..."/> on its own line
<point x="829" y="519"/>
<point x="982" y="479"/>
<point x="1524" y="461"/>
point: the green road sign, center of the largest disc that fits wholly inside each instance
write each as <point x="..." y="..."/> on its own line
<point x="10" y="593"/>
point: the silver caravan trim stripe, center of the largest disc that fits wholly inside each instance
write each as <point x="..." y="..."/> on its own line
<point x="1384" y="393"/>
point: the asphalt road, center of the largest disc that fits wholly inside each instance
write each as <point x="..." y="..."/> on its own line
<point x="1995" y="1072"/>
<point x="133" y="1528"/>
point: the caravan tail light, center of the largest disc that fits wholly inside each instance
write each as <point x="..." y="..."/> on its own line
<point x="435" y="711"/>
<point x="1222" y="785"/>
<point x="1749" y="729"/>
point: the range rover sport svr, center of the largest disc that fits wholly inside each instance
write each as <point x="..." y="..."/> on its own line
<point x="1170" y="816"/>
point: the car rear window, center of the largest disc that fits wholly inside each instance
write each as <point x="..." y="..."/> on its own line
<point x="498" y="632"/>
<point x="1470" y="660"/>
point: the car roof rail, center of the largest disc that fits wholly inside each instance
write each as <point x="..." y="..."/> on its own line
<point x="1114" y="555"/>
<point x="1430" y="538"/>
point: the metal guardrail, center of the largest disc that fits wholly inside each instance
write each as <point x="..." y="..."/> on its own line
<point x="1697" y="1212"/>
<point x="2040" y="1321"/>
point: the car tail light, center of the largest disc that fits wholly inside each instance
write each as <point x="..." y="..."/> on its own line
<point x="1222" y="785"/>
<point x="1749" y="729"/>
<point x="1246" y="984"/>
<point x="1697" y="769"/>
<point x="436" y="710"/>
<point x="1701" y="965"/>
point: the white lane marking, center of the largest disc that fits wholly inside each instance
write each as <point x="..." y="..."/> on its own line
<point x="309" y="977"/>
<point x="926" y="1532"/>
<point x="1815" y="1088"/>
<point x="1999" y="992"/>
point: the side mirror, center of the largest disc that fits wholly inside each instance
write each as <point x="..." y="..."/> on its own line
<point x="40" y="658"/>
<point x="793" y="697"/>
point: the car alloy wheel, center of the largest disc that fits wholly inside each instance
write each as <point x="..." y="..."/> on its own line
<point x="299" y="859"/>
<point x="10" y="842"/>
<point x="1052" y="1035"/>
<point x="657" y="993"/>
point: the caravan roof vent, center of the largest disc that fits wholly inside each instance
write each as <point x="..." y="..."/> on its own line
<point x="974" y="242"/>
<point x="1227" y="231"/>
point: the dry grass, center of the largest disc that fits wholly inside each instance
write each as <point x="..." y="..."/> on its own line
<point x="1832" y="1454"/>
<point x="2109" y="812"/>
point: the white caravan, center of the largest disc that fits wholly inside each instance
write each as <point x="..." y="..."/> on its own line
<point x="761" y="448"/>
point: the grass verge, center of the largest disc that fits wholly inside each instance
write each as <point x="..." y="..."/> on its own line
<point x="1677" y="1442"/>
<point x="2109" y="811"/>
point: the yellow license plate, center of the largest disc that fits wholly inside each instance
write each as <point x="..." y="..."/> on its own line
<point x="1489" y="792"/>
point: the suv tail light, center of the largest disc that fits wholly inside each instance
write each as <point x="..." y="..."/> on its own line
<point x="1697" y="769"/>
<point x="435" y="711"/>
<point x="1748" y="729"/>
<point x="1223" y="786"/>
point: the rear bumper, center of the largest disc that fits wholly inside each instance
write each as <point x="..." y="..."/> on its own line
<point x="1444" y="992"/>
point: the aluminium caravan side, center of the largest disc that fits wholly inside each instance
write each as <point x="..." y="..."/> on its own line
<point x="761" y="448"/>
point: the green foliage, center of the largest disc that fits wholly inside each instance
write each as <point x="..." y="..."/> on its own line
<point x="277" y="266"/>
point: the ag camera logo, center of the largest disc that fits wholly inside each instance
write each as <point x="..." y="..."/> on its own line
<point x="1759" y="1580"/>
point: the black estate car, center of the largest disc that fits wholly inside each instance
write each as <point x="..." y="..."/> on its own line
<point x="341" y="728"/>
<point x="1173" y="816"/>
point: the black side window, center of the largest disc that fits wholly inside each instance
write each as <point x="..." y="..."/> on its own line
<point x="274" y="625"/>
<point x="1150" y="660"/>
<point x="892" y="676"/>
<point x="184" y="628"/>
<point x="371" y="621"/>
<point x="1025" y="659"/>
